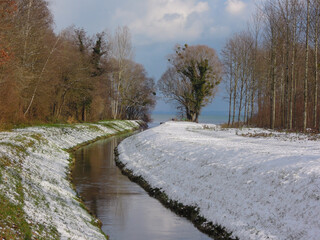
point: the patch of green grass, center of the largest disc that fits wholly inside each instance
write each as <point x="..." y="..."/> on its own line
<point x="40" y="124"/>
<point x="13" y="219"/>
<point x="5" y="162"/>
<point x="93" y="128"/>
<point x="263" y="134"/>
<point x="46" y="232"/>
<point x="111" y="125"/>
<point x="129" y="123"/>
<point x="53" y="231"/>
<point x="12" y="216"/>
<point x="21" y="151"/>
<point x="27" y="142"/>
<point x="38" y="137"/>
<point x="38" y="199"/>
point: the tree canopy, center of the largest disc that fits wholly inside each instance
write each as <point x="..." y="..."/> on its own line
<point x="191" y="79"/>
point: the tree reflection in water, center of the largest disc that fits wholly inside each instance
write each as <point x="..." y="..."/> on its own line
<point x="125" y="209"/>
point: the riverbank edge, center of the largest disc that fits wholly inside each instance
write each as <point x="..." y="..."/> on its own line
<point x="192" y="213"/>
<point x="71" y="151"/>
<point x="25" y="148"/>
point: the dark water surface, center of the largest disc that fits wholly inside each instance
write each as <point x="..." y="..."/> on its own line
<point x="125" y="209"/>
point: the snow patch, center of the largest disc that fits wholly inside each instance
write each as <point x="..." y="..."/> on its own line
<point x="262" y="187"/>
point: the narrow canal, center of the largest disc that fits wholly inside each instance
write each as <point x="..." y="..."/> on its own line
<point x="127" y="212"/>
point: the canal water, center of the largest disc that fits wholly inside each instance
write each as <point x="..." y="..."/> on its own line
<point x="127" y="212"/>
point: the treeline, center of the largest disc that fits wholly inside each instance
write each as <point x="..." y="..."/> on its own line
<point x="272" y="68"/>
<point x="66" y="77"/>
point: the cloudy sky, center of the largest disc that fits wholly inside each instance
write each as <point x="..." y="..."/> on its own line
<point x="157" y="25"/>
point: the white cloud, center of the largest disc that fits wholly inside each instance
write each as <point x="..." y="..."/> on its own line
<point x="235" y="6"/>
<point x="167" y="20"/>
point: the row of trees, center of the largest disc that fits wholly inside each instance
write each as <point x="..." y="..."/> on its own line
<point x="272" y="68"/>
<point x="70" y="76"/>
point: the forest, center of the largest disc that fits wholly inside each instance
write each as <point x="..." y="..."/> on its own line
<point x="272" y="68"/>
<point x="69" y="76"/>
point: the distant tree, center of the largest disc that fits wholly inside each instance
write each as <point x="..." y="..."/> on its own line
<point x="306" y="76"/>
<point x="192" y="79"/>
<point x="239" y="66"/>
<point x="98" y="51"/>
<point x="121" y="52"/>
<point x="139" y="93"/>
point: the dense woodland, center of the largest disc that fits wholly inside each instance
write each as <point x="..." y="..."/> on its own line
<point x="272" y="68"/>
<point x="69" y="76"/>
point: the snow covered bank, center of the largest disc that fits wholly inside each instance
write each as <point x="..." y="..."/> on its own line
<point x="36" y="199"/>
<point x="258" y="184"/>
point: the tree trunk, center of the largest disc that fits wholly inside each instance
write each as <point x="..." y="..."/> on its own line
<point x="196" y="118"/>
<point x="188" y="114"/>
<point x="305" y="91"/>
<point x="26" y="34"/>
<point x="293" y="82"/>
<point x="230" y="94"/>
<point x="316" y="74"/>
<point x="248" y="102"/>
<point x="84" y="112"/>
<point x="253" y="80"/>
<point x="273" y="87"/>
<point x="40" y="76"/>
<point x="240" y="99"/>
<point x="286" y="94"/>
<point x="230" y="105"/>
<point x="282" y="92"/>
<point x="235" y="94"/>
<point x="245" y="102"/>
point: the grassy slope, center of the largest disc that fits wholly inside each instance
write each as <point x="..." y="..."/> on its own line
<point x="21" y="184"/>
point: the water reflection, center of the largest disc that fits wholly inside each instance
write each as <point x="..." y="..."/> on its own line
<point x="125" y="209"/>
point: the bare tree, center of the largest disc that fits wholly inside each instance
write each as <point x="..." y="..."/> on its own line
<point x="315" y="24"/>
<point x="305" y="92"/>
<point x="139" y="94"/>
<point x="121" y="51"/>
<point x="227" y="59"/>
<point x="255" y="32"/>
<point x="271" y="25"/>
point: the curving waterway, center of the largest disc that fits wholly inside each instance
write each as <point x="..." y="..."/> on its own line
<point x="126" y="211"/>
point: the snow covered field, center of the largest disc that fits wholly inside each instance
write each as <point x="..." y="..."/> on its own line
<point x="33" y="175"/>
<point x="256" y="183"/>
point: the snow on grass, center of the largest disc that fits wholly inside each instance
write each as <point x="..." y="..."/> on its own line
<point x="258" y="184"/>
<point x="34" y="160"/>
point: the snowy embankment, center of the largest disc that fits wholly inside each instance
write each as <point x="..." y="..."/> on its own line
<point x="256" y="183"/>
<point x="34" y="168"/>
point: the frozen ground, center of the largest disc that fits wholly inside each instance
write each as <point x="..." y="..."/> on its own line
<point x="33" y="174"/>
<point x="258" y="184"/>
